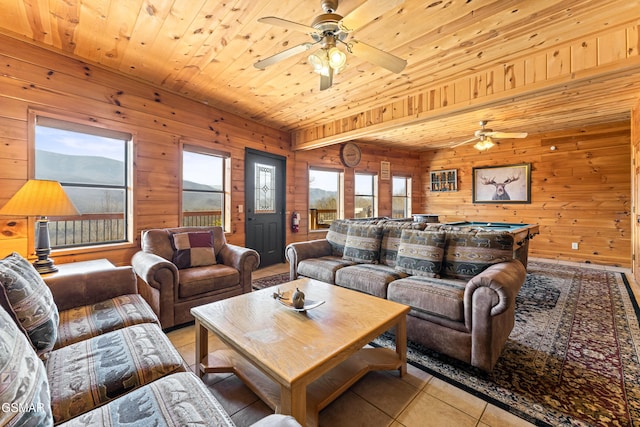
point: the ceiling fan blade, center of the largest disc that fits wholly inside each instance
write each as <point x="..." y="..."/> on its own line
<point x="377" y="56"/>
<point x="289" y="25"/>
<point x="263" y="63"/>
<point x="365" y="13"/>
<point x="464" y="142"/>
<point x="506" y="134"/>
<point x="326" y="81"/>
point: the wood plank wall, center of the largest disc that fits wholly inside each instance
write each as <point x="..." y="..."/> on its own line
<point x="635" y="189"/>
<point x="35" y="78"/>
<point x="580" y="192"/>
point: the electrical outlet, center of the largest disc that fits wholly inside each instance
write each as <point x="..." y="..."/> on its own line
<point x="574" y="245"/>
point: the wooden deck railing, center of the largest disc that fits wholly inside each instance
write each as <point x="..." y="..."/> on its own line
<point x="202" y="218"/>
<point x="87" y="229"/>
<point x="109" y="228"/>
<point x="321" y="218"/>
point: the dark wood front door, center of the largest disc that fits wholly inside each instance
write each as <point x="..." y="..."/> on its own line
<point x="265" y="205"/>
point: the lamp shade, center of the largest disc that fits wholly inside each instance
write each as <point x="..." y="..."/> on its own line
<point x="40" y="198"/>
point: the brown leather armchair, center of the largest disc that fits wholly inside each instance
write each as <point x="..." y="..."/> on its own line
<point x="172" y="292"/>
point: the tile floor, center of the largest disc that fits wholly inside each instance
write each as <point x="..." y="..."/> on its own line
<point x="379" y="399"/>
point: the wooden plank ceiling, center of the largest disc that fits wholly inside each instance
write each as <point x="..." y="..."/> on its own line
<point x="205" y="50"/>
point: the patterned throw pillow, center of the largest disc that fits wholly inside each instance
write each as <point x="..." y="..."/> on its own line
<point x="337" y="236"/>
<point x="31" y="301"/>
<point x="421" y="252"/>
<point x="193" y="249"/>
<point x="363" y="244"/>
<point x="24" y="390"/>
<point x="468" y="253"/>
<point x="391" y="234"/>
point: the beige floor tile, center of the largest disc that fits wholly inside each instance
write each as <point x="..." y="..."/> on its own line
<point x="497" y="417"/>
<point x="417" y="377"/>
<point x="252" y="413"/>
<point x="182" y="336"/>
<point x="230" y="392"/>
<point x="428" y="411"/>
<point x="351" y="410"/>
<point x="456" y="397"/>
<point x="397" y="394"/>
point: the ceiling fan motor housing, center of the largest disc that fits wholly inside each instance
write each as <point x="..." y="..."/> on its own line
<point x="327" y="24"/>
<point x="329" y="6"/>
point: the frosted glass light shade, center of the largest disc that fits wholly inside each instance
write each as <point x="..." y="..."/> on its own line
<point x="337" y="58"/>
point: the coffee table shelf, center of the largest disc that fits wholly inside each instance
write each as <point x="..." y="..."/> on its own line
<point x="320" y="393"/>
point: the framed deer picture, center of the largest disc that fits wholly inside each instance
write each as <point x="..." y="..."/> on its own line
<point x="502" y="184"/>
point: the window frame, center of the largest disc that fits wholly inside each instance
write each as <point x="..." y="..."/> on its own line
<point x="407" y="197"/>
<point x="374" y="196"/>
<point x="196" y="147"/>
<point x="105" y="128"/>
<point x="340" y="197"/>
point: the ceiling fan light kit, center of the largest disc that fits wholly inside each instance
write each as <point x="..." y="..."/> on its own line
<point x="484" y="144"/>
<point x="486" y="137"/>
<point x="329" y="29"/>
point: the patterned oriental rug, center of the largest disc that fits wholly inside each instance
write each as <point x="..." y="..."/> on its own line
<point x="267" y="281"/>
<point x="573" y="358"/>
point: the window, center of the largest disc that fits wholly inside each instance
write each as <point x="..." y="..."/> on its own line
<point x="325" y="198"/>
<point x="92" y="165"/>
<point x="204" y="177"/>
<point x="366" y="192"/>
<point x="401" y="197"/>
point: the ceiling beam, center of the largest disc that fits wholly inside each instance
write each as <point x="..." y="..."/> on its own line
<point x="602" y="57"/>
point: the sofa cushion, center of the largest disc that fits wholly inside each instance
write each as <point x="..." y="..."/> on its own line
<point x="31" y="301"/>
<point x="421" y="252"/>
<point x="391" y="235"/>
<point x="468" y="253"/>
<point x="323" y="268"/>
<point x="372" y="279"/>
<point x="23" y="380"/>
<point x="337" y="236"/>
<point x="89" y="373"/>
<point x="363" y="243"/>
<point x="177" y="400"/>
<point x="199" y="280"/>
<point x="81" y="323"/>
<point x="192" y="249"/>
<point x="440" y="297"/>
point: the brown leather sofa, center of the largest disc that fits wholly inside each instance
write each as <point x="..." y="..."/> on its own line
<point x="173" y="291"/>
<point x="461" y="283"/>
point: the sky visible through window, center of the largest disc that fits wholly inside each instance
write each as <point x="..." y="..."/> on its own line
<point x="323" y="180"/>
<point x="201" y="169"/>
<point x="77" y="144"/>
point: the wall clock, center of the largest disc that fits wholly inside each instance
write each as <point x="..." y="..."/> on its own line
<point x="350" y="155"/>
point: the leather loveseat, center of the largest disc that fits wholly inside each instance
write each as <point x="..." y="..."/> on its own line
<point x="461" y="283"/>
<point x="179" y="270"/>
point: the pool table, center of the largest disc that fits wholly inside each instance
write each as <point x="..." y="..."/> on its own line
<point x="522" y="233"/>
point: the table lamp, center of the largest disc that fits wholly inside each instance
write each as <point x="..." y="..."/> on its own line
<point x="41" y="198"/>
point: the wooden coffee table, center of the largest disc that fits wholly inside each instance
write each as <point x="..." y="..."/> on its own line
<point x="299" y="362"/>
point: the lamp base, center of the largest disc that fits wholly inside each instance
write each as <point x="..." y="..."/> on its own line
<point x="44" y="266"/>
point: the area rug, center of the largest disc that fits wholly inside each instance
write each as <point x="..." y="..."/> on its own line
<point x="267" y="281"/>
<point x="572" y="358"/>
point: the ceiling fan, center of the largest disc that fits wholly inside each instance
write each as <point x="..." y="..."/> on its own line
<point x="329" y="30"/>
<point x="486" y="137"/>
